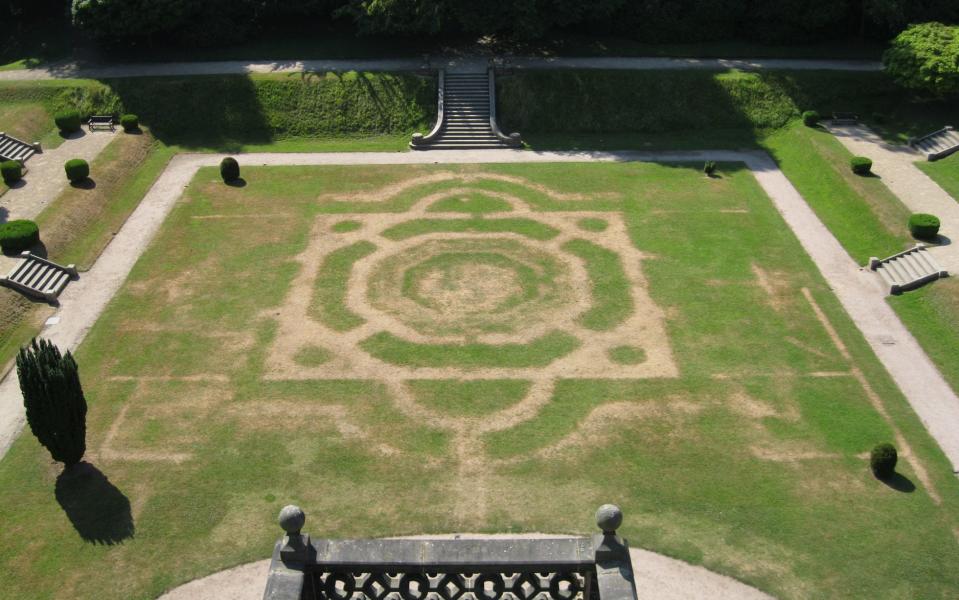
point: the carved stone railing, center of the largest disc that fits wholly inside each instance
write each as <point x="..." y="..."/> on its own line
<point x="566" y="568"/>
<point x="514" y="140"/>
<point x="422" y="141"/>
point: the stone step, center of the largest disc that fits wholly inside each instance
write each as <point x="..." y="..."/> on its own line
<point x="39" y="278"/>
<point x="908" y="270"/>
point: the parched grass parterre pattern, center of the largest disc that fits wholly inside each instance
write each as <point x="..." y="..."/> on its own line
<point x="421" y="349"/>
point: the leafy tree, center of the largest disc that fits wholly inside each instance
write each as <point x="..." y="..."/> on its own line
<point x="53" y="397"/>
<point x="925" y="57"/>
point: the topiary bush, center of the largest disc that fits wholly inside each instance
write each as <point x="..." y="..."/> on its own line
<point x="923" y="226"/>
<point x="77" y="170"/>
<point x="68" y="121"/>
<point x="229" y="169"/>
<point x="860" y="165"/>
<point x="17" y="236"/>
<point x="130" y="123"/>
<point x="12" y="171"/>
<point x="709" y="167"/>
<point x="883" y="460"/>
<point x="810" y="118"/>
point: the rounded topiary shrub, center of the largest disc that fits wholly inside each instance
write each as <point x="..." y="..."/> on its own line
<point x="810" y="118"/>
<point x="77" y="169"/>
<point x="924" y="226"/>
<point x="12" y="171"/>
<point x="130" y="123"/>
<point x="883" y="460"/>
<point x="860" y="165"/>
<point x="229" y="169"/>
<point x="17" y="236"/>
<point x="68" y="121"/>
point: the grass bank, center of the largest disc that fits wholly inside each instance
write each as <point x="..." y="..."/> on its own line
<point x="945" y="172"/>
<point x="236" y="113"/>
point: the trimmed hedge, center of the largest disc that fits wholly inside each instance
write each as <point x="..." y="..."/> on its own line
<point x="810" y="118"/>
<point x="68" y="121"/>
<point x="12" y="171"/>
<point x="130" y="123"/>
<point x="924" y="226"/>
<point x="17" y="236"/>
<point x="77" y="170"/>
<point x="883" y="460"/>
<point x="860" y="165"/>
<point x="229" y="169"/>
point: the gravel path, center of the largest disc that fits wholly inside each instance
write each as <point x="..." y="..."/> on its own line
<point x="657" y="576"/>
<point x="97" y="71"/>
<point x="45" y="178"/>
<point x="896" y="166"/>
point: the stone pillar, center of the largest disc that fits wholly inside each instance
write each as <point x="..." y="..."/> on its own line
<point x="614" y="568"/>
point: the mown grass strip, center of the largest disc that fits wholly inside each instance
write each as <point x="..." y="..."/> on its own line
<point x="945" y="172"/>
<point x="538" y="353"/>
<point x="612" y="302"/>
<point x="329" y="296"/>
<point x="526" y="227"/>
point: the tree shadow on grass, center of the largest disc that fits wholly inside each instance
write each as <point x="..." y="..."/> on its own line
<point x="237" y="183"/>
<point x="900" y="483"/>
<point x="98" y="510"/>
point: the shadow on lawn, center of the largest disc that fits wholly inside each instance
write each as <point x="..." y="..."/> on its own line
<point x="900" y="483"/>
<point x="98" y="510"/>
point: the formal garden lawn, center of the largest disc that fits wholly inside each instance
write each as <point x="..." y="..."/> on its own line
<point x="418" y="349"/>
<point x="945" y="172"/>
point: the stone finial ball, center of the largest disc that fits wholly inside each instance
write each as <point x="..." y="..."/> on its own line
<point x="609" y="518"/>
<point x="292" y="519"/>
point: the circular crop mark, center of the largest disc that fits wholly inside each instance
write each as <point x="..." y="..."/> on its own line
<point x="627" y="355"/>
<point x="312" y="356"/>
<point x="470" y="286"/>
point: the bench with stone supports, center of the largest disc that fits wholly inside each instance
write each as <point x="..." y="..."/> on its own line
<point x="101" y="122"/>
<point x="567" y="568"/>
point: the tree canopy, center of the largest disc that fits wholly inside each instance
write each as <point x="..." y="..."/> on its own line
<point x="656" y="21"/>
<point x="925" y="57"/>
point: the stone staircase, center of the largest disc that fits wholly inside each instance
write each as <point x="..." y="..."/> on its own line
<point x="13" y="149"/>
<point x="466" y="115"/>
<point x="907" y="270"/>
<point x="937" y="144"/>
<point x="38" y="277"/>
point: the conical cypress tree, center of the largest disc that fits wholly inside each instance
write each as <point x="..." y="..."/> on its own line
<point x="53" y="397"/>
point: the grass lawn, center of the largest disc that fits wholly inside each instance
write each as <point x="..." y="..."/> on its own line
<point x="868" y="219"/>
<point x="225" y="382"/>
<point x="945" y="172"/>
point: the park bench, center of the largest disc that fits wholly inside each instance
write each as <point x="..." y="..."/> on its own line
<point x="845" y="118"/>
<point x="565" y="568"/>
<point x="100" y="122"/>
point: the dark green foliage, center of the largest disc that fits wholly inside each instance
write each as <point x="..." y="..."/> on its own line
<point x="597" y="101"/>
<point x="53" y="397"/>
<point x="810" y="118"/>
<point x="12" y="171"/>
<point x="68" y="121"/>
<point x="925" y="57"/>
<point x="229" y="169"/>
<point x="860" y="165"/>
<point x="130" y="123"/>
<point x="924" y="226"/>
<point x="77" y="169"/>
<point x="17" y="236"/>
<point x="709" y="167"/>
<point x="883" y="460"/>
